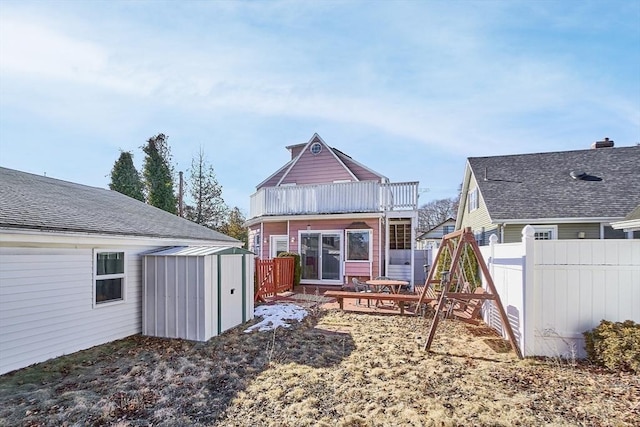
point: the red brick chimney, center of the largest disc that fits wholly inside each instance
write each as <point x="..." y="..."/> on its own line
<point x="606" y="143"/>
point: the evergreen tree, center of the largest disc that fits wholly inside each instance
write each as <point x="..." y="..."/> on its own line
<point x="158" y="174"/>
<point x="208" y="207"/>
<point x="125" y="178"/>
<point x="234" y="227"/>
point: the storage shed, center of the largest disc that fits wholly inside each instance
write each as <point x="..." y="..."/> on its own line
<point x="196" y="292"/>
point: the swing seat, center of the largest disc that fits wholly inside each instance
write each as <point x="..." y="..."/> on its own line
<point x="469" y="311"/>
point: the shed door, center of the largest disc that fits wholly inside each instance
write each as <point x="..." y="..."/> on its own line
<point x="231" y="283"/>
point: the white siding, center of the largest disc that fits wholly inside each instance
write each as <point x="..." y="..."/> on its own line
<point x="46" y="304"/>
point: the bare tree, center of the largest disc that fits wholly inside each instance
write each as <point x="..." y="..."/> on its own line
<point x="436" y="211"/>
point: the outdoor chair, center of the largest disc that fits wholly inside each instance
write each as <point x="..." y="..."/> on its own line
<point x="361" y="287"/>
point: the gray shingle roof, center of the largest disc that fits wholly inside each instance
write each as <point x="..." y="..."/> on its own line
<point x="36" y="202"/>
<point x="530" y="186"/>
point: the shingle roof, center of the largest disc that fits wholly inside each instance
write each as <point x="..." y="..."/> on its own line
<point x="36" y="202"/>
<point x="531" y="186"/>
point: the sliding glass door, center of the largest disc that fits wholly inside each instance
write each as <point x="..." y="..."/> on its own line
<point x="321" y="256"/>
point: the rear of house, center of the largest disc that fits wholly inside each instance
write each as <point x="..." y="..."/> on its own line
<point x="71" y="268"/>
<point x="344" y="219"/>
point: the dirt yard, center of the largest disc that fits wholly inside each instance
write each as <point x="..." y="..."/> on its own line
<point x="331" y="369"/>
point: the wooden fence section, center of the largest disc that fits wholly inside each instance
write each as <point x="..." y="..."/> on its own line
<point x="273" y="276"/>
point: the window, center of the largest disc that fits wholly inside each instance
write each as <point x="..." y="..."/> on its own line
<point x="358" y="245"/>
<point x="448" y="229"/>
<point x="279" y="244"/>
<point x="472" y="200"/>
<point x="109" y="277"/>
<point x="316" y="148"/>
<point x="400" y="235"/>
<point x="545" y="233"/>
<point x="256" y="244"/>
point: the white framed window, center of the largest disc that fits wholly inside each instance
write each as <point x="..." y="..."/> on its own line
<point x="279" y="244"/>
<point x="315" y="148"/>
<point x="472" y="200"/>
<point x="256" y="245"/>
<point x="109" y="284"/>
<point x="547" y="232"/>
<point x="359" y="245"/>
<point x="448" y="229"/>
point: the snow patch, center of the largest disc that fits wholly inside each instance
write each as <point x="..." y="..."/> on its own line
<point x="277" y="315"/>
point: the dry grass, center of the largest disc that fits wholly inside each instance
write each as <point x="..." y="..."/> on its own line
<point x="333" y="369"/>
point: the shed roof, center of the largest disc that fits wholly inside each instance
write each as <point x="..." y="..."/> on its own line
<point x="199" y="251"/>
<point x="35" y="202"/>
<point x="540" y="185"/>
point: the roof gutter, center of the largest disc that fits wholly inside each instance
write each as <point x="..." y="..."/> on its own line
<point x="280" y="218"/>
<point x="556" y="220"/>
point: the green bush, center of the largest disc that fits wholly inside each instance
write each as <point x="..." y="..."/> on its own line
<point x="614" y="345"/>
<point x="468" y="261"/>
<point x="297" y="269"/>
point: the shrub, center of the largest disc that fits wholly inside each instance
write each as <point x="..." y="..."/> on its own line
<point x="297" y="268"/>
<point x="467" y="261"/>
<point x="614" y="345"/>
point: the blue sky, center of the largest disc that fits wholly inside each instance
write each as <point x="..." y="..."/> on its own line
<point x="408" y="88"/>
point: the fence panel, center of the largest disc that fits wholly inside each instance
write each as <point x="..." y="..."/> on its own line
<point x="273" y="276"/>
<point x="555" y="290"/>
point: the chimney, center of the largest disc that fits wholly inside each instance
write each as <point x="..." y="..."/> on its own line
<point x="606" y="143"/>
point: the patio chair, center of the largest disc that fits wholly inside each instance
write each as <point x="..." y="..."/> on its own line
<point x="361" y="287"/>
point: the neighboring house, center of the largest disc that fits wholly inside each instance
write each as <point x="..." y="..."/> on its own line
<point x="431" y="238"/>
<point x="563" y="195"/>
<point x="344" y="219"/>
<point x="630" y="223"/>
<point x="71" y="266"/>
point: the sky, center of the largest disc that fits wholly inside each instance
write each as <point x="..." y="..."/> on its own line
<point x="410" y="89"/>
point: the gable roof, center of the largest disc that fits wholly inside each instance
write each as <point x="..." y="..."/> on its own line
<point x="425" y="234"/>
<point x="630" y="222"/>
<point x="350" y="166"/>
<point x="315" y="138"/>
<point x="34" y="202"/>
<point x="540" y="185"/>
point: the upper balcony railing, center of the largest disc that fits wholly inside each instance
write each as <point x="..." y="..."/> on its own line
<point x="344" y="197"/>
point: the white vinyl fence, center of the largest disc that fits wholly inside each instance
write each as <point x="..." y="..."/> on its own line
<point x="554" y="290"/>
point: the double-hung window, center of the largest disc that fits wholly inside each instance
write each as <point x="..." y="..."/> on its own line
<point x="358" y="245"/>
<point x="109" y="277"/>
<point x="472" y="200"/>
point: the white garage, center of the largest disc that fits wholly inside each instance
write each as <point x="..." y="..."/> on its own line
<point x="196" y="292"/>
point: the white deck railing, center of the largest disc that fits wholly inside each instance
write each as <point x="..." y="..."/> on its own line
<point x="344" y="197"/>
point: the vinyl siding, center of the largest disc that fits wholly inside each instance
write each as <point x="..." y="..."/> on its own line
<point x="361" y="173"/>
<point x="513" y="232"/>
<point x="46" y="304"/>
<point x="317" y="169"/>
<point x="479" y="218"/>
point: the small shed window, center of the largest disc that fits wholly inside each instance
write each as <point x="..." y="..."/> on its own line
<point x="109" y="277"/>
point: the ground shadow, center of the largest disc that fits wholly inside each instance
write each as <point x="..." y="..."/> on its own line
<point x="148" y="380"/>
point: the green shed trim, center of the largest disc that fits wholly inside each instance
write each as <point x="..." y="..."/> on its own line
<point x="219" y="257"/>
<point x="244" y="288"/>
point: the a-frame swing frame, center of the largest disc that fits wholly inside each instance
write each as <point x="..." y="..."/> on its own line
<point x="464" y="238"/>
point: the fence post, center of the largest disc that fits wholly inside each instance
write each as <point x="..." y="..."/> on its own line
<point x="528" y="293"/>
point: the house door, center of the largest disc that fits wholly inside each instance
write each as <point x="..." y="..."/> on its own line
<point x="321" y="256"/>
<point x="279" y="244"/>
